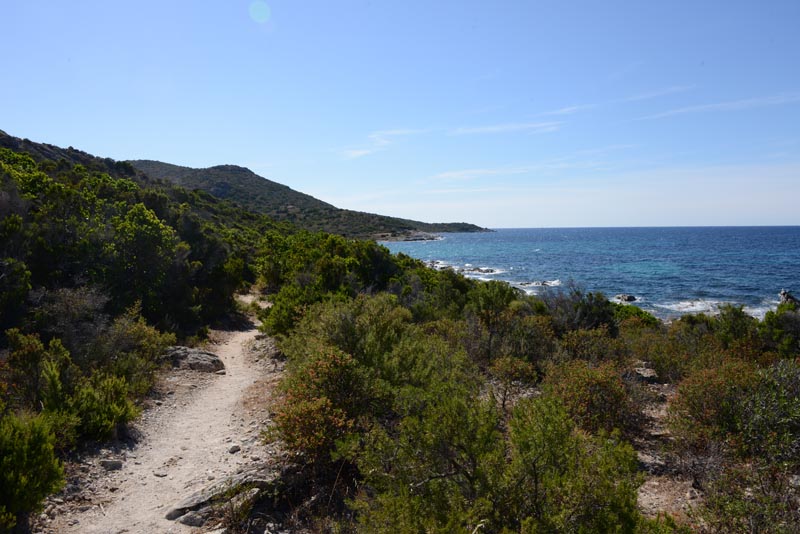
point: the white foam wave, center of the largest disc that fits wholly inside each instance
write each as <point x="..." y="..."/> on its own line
<point x="693" y="306"/>
<point x="712" y="307"/>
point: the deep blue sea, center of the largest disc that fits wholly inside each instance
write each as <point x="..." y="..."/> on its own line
<point x="670" y="271"/>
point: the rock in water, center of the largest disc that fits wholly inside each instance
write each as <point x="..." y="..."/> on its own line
<point x="195" y="359"/>
<point x="788" y="298"/>
<point x="626" y="298"/>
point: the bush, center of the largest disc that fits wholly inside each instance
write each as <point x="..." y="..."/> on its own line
<point x="530" y="338"/>
<point x="438" y="470"/>
<point x="756" y="497"/>
<point x="595" y="397"/>
<point x="562" y="480"/>
<point x="780" y="330"/>
<point x="103" y="406"/>
<point x="707" y="405"/>
<point x="323" y="399"/>
<point x="733" y="326"/>
<point x="29" y="470"/>
<point x="130" y="348"/>
<point x="572" y="309"/>
<point x="628" y="315"/>
<point x="769" y="419"/>
<point x="593" y="346"/>
<point x="512" y="375"/>
<point x="27" y="371"/>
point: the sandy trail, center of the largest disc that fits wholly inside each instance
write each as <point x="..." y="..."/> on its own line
<point x="187" y="441"/>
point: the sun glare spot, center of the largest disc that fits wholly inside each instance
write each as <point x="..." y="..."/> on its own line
<point x="259" y="11"/>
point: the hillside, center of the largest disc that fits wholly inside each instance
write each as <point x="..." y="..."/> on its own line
<point x="244" y="187"/>
<point x="282" y="203"/>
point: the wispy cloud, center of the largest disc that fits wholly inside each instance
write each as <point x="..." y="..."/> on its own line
<point x="569" y="110"/>
<point x="574" y="162"/>
<point x="471" y="174"/>
<point x="734" y="105"/>
<point x="657" y="93"/>
<point x="533" y="127"/>
<point x="378" y="141"/>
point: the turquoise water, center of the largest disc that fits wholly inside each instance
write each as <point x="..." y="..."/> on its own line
<point x="670" y="271"/>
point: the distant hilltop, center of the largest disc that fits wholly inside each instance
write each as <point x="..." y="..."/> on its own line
<point x="251" y="191"/>
<point x="283" y="203"/>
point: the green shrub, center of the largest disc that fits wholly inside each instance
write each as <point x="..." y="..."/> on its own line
<point x="512" y="376"/>
<point x="595" y="397"/>
<point x="630" y="316"/>
<point x="593" y="346"/>
<point x="437" y="470"/>
<point x="572" y="309"/>
<point x="489" y="302"/>
<point x="562" y="480"/>
<point x="754" y="497"/>
<point x="530" y="338"/>
<point x="29" y="470"/>
<point x="34" y="371"/>
<point x="103" y="406"/>
<point x="780" y="330"/>
<point x="707" y="405"/>
<point x="324" y="397"/>
<point x="733" y="326"/>
<point x="769" y="417"/>
<point x="130" y="348"/>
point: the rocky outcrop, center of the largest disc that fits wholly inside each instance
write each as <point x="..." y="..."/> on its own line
<point x="194" y="509"/>
<point x="623" y="297"/>
<point x="788" y="298"/>
<point x="194" y="359"/>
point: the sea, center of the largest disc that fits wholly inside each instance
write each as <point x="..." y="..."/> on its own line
<point x="669" y="271"/>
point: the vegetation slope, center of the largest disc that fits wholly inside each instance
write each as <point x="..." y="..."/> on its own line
<point x="282" y="203"/>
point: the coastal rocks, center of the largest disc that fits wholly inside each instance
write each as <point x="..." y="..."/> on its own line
<point x="623" y="297"/>
<point x="479" y="270"/>
<point x="788" y="298"/>
<point x="194" y="359"/>
<point x="541" y="283"/>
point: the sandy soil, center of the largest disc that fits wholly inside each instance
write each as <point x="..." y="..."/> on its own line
<point x="198" y="428"/>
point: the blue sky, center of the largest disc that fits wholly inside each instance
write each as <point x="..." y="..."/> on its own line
<point x="504" y="113"/>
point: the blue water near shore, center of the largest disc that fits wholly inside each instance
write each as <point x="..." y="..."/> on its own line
<point x="670" y="271"/>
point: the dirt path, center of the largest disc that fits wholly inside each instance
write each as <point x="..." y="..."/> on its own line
<point x="203" y="427"/>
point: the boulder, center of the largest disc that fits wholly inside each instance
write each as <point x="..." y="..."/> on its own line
<point x="261" y="478"/>
<point x="625" y="298"/>
<point x="194" y="359"/>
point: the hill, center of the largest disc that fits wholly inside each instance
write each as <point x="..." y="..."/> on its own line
<point x="242" y="186"/>
<point x="282" y="203"/>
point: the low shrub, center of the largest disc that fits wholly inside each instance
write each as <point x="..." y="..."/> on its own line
<point x="593" y="346"/>
<point x="29" y="469"/>
<point x="562" y="480"/>
<point x="707" y="406"/>
<point x="769" y="417"/>
<point x="512" y="376"/>
<point x="594" y="396"/>
<point x="323" y="399"/>
<point x="103" y="406"/>
<point x="754" y="497"/>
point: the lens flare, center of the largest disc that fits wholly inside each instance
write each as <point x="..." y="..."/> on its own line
<point x="259" y="11"/>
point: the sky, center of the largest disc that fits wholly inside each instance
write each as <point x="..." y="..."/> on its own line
<point x="526" y="113"/>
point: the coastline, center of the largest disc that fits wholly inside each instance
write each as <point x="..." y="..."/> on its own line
<point x="670" y="272"/>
